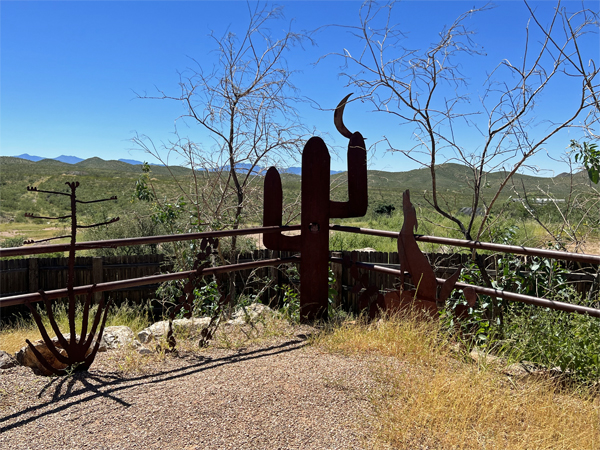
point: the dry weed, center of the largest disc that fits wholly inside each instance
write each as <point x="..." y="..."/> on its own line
<point x="435" y="401"/>
<point x="12" y="340"/>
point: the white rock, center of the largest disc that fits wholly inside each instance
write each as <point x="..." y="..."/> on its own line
<point x="159" y="329"/>
<point x="193" y="325"/>
<point x="249" y="313"/>
<point x="117" y="336"/>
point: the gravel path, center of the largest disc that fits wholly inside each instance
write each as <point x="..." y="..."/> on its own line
<point x="279" y="395"/>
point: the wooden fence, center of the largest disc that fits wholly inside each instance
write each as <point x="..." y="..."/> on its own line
<point x="20" y="276"/>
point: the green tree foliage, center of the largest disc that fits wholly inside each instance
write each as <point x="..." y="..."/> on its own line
<point x="588" y="155"/>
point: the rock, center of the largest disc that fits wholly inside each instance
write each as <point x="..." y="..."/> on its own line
<point x="154" y="331"/>
<point x="249" y="313"/>
<point x="484" y="358"/>
<point x="159" y="329"/>
<point x="137" y="345"/>
<point x="116" y="337"/>
<point x="6" y="361"/>
<point x="516" y="370"/>
<point x="144" y="336"/>
<point x="26" y="357"/>
<point x="193" y="325"/>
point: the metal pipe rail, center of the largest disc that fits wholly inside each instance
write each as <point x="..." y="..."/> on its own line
<point x="112" y="285"/>
<point x="114" y="243"/>
<point x="554" y="254"/>
<point x="538" y="301"/>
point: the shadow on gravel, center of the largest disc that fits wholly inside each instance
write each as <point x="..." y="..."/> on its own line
<point x="95" y="385"/>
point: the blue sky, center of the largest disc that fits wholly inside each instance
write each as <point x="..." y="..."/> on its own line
<point x="70" y="71"/>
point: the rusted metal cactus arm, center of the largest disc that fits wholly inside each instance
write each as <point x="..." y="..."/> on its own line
<point x="98" y="321"/>
<point x="113" y="220"/>
<point x="31" y="216"/>
<point x="42" y="360"/>
<point x="358" y="200"/>
<point x="89" y="359"/>
<point x="114" y="197"/>
<point x="36" y="317"/>
<point x="31" y="241"/>
<point x="273" y="214"/>
<point x="34" y="189"/>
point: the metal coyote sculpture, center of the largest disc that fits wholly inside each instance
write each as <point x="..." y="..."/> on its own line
<point x="425" y="296"/>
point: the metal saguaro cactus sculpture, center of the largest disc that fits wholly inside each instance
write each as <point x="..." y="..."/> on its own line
<point x="316" y="211"/>
<point x="70" y="354"/>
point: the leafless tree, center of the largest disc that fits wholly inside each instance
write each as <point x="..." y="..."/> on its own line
<point x="244" y="108"/>
<point x="426" y="90"/>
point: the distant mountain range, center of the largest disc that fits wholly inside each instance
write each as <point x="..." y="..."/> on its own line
<point x="241" y="167"/>
<point x="70" y="159"/>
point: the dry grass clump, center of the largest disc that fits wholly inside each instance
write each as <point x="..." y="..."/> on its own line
<point x="437" y="401"/>
<point x="128" y="361"/>
<point x="12" y="337"/>
<point x="409" y="340"/>
<point x="254" y="332"/>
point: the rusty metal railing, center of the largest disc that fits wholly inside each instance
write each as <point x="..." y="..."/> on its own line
<point x="122" y="284"/>
<point x="114" y="243"/>
<point x="538" y="301"/>
<point x="477" y="245"/>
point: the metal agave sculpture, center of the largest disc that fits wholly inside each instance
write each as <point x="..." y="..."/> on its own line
<point x="74" y="353"/>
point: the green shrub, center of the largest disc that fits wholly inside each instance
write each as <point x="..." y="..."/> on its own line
<point x="520" y="331"/>
<point x="554" y="339"/>
<point x="10" y="242"/>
